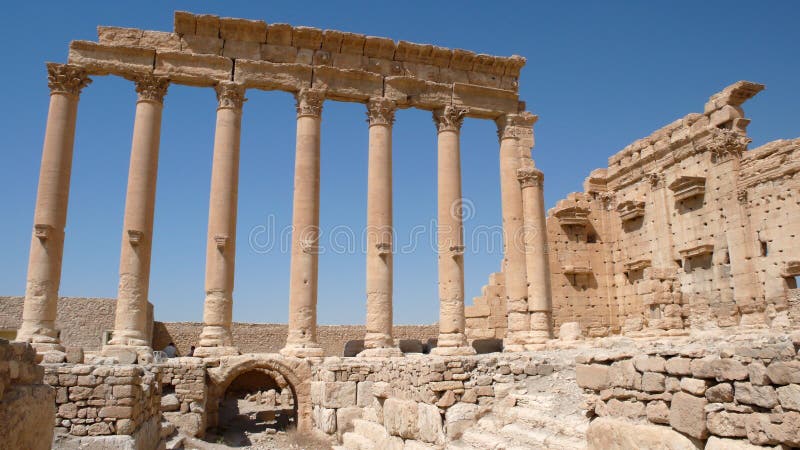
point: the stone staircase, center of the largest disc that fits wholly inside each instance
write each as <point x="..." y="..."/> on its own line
<point x="542" y="414"/>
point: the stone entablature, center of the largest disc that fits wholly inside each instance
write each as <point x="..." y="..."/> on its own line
<point x="204" y="50"/>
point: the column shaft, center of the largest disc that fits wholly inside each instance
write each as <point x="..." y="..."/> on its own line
<point x="514" y="265"/>
<point x="302" y="338"/>
<point x="452" y="340"/>
<point x="378" y="340"/>
<point x="216" y="338"/>
<point x="539" y="297"/>
<point x="47" y="243"/>
<point x="130" y="322"/>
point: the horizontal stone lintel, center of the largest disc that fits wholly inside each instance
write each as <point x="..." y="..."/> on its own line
<point x="350" y="85"/>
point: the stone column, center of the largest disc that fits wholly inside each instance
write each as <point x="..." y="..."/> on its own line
<point x="516" y="281"/>
<point x="130" y="320"/>
<point x="539" y="298"/>
<point x="215" y="339"/>
<point x="378" y="339"/>
<point x="49" y="219"/>
<point x="452" y="340"/>
<point x="302" y="339"/>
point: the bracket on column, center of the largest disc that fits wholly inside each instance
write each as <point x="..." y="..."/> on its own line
<point x="384" y="248"/>
<point x="42" y="231"/>
<point x="134" y="237"/>
<point x="457" y="250"/>
<point x="221" y="241"/>
<point x="309" y="246"/>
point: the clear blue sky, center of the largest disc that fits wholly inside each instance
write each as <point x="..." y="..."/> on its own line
<point x="599" y="75"/>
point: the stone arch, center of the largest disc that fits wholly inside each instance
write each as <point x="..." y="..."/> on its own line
<point x="295" y="371"/>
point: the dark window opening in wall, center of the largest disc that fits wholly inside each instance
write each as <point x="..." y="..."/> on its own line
<point x="679" y="262"/>
<point x="591" y="238"/>
<point x="791" y="282"/>
<point x="106" y="336"/>
<point x="764" y="248"/>
<point x="727" y="259"/>
<point x="167" y="389"/>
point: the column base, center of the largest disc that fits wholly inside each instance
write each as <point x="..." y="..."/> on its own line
<point x="128" y="354"/>
<point x="310" y="350"/>
<point x="515" y="341"/>
<point x="381" y="352"/>
<point x="215" y="352"/>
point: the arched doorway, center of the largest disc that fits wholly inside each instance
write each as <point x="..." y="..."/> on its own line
<point x="240" y="386"/>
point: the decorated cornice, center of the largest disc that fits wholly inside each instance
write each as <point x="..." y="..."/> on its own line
<point x="309" y="102"/>
<point x="150" y="87"/>
<point x="66" y="79"/>
<point x="230" y="95"/>
<point x="449" y="118"/>
<point x="380" y="111"/>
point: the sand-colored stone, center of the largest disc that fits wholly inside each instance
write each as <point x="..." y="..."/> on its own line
<point x="216" y="337"/>
<point x="302" y="339"/>
<point x="130" y="322"/>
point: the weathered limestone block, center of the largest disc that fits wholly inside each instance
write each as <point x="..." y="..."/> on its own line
<point x="592" y="376"/>
<point x="678" y="366"/>
<point x="458" y="418"/>
<point x="607" y="433"/>
<point x="687" y="414"/>
<point x="26" y="417"/>
<point x="694" y="386"/>
<point x="715" y="443"/>
<point x="644" y="363"/>
<point x="720" y="393"/>
<point x="345" y="417"/>
<point x="429" y="423"/>
<point x="657" y="412"/>
<point x="570" y="331"/>
<point x="334" y="394"/>
<point x="789" y="396"/>
<point x="194" y="70"/>
<point x="723" y="423"/>
<point x="99" y="59"/>
<point x="763" y="396"/>
<point x="771" y="429"/>
<point x="400" y="417"/>
<point x="653" y="382"/>
<point x="784" y="372"/>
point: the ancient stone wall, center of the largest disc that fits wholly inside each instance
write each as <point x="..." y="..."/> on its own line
<point x="26" y="404"/>
<point x="185" y="393"/>
<point x="414" y="400"/>
<point x="83" y="322"/>
<point x="269" y="338"/>
<point x="685" y="228"/>
<point x="746" y="391"/>
<point x="118" y="405"/>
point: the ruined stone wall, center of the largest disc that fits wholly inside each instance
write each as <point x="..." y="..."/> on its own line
<point x="748" y="391"/>
<point x="185" y="393"/>
<point x="112" y="405"/>
<point x="269" y="338"/>
<point x="685" y="228"/>
<point x="83" y="321"/>
<point x="26" y="404"/>
<point x="415" y="400"/>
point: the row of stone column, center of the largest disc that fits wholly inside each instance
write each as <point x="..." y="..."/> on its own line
<point x="525" y="261"/>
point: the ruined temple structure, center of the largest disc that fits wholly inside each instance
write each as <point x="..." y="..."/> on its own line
<point x="685" y="229"/>
<point x="659" y="308"/>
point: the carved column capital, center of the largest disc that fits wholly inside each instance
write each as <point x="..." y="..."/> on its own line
<point x="380" y="111"/>
<point x="66" y="78"/>
<point x="530" y="177"/>
<point x="309" y="102"/>
<point x="741" y="196"/>
<point x="230" y="95"/>
<point x="516" y="126"/>
<point x="656" y="179"/>
<point x="725" y="145"/>
<point x="150" y="87"/>
<point x="449" y="118"/>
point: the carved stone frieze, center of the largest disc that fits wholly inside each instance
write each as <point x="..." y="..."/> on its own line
<point x="725" y="145"/>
